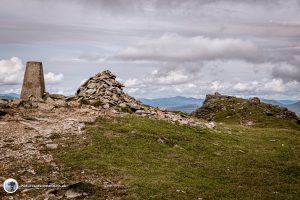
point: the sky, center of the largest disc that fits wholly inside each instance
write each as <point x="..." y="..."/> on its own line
<point x="156" y="48"/>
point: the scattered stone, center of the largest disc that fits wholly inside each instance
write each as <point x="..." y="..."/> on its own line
<point x="217" y="153"/>
<point x="210" y="125"/>
<point x="140" y="112"/>
<point x="106" y="106"/>
<point x="160" y="140"/>
<point x="254" y="101"/>
<point x="57" y="96"/>
<point x="247" y="123"/>
<point x="52" y="146"/>
<point x="15" y="103"/>
<point x="268" y="112"/>
<point x="123" y="105"/>
<point x="44" y="106"/>
<point x="71" y="194"/>
<point x="3" y="103"/>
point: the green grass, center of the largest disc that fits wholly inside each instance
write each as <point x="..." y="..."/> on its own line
<point x="241" y="109"/>
<point x="159" y="160"/>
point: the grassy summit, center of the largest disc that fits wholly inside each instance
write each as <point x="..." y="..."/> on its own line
<point x="156" y="159"/>
<point x="252" y="112"/>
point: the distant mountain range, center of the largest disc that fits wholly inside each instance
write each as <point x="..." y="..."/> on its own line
<point x="189" y="104"/>
<point x="280" y="102"/>
<point x="295" y="107"/>
<point x="178" y="103"/>
<point x="9" y="96"/>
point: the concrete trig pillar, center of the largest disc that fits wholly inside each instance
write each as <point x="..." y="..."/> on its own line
<point x="33" y="83"/>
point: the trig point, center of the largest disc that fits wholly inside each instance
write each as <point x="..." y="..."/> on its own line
<point x="33" y="84"/>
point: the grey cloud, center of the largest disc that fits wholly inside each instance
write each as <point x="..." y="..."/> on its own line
<point x="287" y="72"/>
<point x="91" y="56"/>
<point x="171" y="73"/>
<point x="172" y="47"/>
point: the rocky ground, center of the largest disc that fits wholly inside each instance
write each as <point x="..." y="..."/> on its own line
<point x="29" y="128"/>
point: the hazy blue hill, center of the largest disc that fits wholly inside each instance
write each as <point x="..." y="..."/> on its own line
<point x="187" y="108"/>
<point x="287" y="102"/>
<point x="292" y="105"/>
<point x="178" y="103"/>
<point x="295" y="107"/>
<point x="273" y="102"/>
<point x="9" y="96"/>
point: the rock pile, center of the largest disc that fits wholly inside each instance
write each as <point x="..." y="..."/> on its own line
<point x="104" y="90"/>
<point x="246" y="111"/>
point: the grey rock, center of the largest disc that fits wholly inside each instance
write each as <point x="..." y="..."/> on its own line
<point x="114" y="97"/>
<point x="210" y="125"/>
<point x="254" y="101"/>
<point x="92" y="85"/>
<point x="71" y="194"/>
<point x="60" y="103"/>
<point x="3" y="103"/>
<point x="268" y="112"/>
<point x="52" y="146"/>
<point x="50" y="100"/>
<point x="134" y="107"/>
<point x="106" y="106"/>
<point x="123" y="105"/>
<point x="45" y="106"/>
<point x="139" y="112"/>
<point x="90" y="91"/>
<point x="57" y="96"/>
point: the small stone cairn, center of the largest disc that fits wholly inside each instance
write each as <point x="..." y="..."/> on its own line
<point x="104" y="90"/>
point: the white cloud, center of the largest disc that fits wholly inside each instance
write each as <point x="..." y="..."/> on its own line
<point x="175" y="76"/>
<point x="267" y="86"/>
<point x="11" y="71"/>
<point x="246" y="86"/>
<point x="50" y="77"/>
<point x="133" y="90"/>
<point x="216" y="85"/>
<point x="233" y="78"/>
<point x="131" y="82"/>
<point x="275" y="85"/>
<point x="173" y="47"/>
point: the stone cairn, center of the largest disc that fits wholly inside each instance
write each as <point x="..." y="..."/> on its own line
<point x="104" y="90"/>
